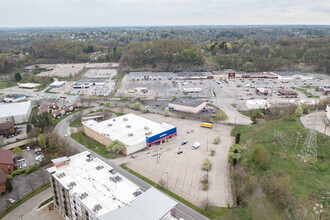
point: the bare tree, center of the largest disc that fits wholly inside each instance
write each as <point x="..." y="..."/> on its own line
<point x="205" y="204"/>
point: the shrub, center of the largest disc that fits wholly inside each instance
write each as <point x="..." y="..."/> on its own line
<point x="216" y="140"/>
<point x="166" y="112"/>
<point x="260" y="156"/>
<point x="31" y="169"/>
<point x="238" y="137"/>
<point x="115" y="147"/>
<point x="18" y="172"/>
<point x="235" y="154"/>
<point x="9" y="187"/>
<point x="206" y="165"/>
<point x="137" y="106"/>
<point x="9" y="177"/>
<point x="279" y="190"/>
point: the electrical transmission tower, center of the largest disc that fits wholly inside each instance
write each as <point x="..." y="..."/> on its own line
<point x="309" y="148"/>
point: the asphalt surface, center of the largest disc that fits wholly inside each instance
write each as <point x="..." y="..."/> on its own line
<point x="182" y="211"/>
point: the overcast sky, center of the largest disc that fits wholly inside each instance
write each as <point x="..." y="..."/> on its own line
<point x="49" y="13"/>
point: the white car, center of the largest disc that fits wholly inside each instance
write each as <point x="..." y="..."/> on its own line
<point x="28" y="148"/>
<point x="11" y="201"/>
<point x="21" y="159"/>
<point x="39" y="158"/>
<point x="24" y="165"/>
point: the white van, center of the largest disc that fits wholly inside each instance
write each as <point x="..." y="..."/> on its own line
<point x="196" y="145"/>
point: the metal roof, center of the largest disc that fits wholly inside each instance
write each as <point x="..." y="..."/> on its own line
<point x="13" y="109"/>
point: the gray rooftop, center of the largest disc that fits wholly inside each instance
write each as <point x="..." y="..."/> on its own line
<point x="92" y="80"/>
<point x="193" y="74"/>
<point x="188" y="102"/>
<point x="151" y="205"/>
<point x="290" y="73"/>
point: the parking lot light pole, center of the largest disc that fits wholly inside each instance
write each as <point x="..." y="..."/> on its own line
<point x="167" y="180"/>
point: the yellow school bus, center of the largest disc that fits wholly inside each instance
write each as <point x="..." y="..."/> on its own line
<point x="207" y="125"/>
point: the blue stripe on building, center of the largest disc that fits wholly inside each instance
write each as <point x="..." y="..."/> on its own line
<point x="161" y="136"/>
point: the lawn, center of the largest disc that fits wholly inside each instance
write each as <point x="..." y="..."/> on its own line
<point x="76" y="123"/>
<point x="308" y="181"/>
<point x="119" y="78"/>
<point x="91" y="144"/>
<point x="37" y="191"/>
<point x="6" y="84"/>
<point x="307" y="93"/>
<point x="45" y="202"/>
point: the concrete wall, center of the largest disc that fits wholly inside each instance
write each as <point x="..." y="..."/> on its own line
<point x="188" y="109"/>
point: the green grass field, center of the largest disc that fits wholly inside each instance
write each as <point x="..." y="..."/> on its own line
<point x="7" y="84"/>
<point x="76" y="123"/>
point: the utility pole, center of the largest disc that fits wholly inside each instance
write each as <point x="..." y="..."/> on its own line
<point x="298" y="134"/>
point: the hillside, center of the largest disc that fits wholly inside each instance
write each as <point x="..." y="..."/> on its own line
<point x="165" y="55"/>
<point x="271" y="181"/>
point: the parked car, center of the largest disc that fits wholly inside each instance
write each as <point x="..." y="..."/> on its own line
<point x="11" y="201"/>
<point x="184" y="142"/>
<point x="39" y="152"/>
<point x="24" y="165"/>
<point x="180" y="152"/>
<point x="39" y="158"/>
<point x="28" y="148"/>
<point x="157" y="105"/>
<point x="196" y="145"/>
<point x="20" y="159"/>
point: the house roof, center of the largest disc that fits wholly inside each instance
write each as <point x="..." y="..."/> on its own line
<point x="3" y="177"/>
<point x="6" y="156"/>
<point x="6" y="125"/>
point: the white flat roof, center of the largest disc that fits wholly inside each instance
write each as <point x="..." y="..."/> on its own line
<point x="14" y="109"/>
<point x="116" y="128"/>
<point x="57" y="83"/>
<point x="96" y="183"/>
<point x="29" y="85"/>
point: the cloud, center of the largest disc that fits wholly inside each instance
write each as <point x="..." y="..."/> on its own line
<point x="22" y="13"/>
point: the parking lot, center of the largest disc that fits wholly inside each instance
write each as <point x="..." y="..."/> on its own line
<point x="182" y="173"/>
<point x="21" y="129"/>
<point x="164" y="88"/>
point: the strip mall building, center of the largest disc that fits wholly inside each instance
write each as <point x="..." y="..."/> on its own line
<point x="134" y="131"/>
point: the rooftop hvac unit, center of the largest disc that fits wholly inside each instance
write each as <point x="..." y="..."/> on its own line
<point x="60" y="175"/>
<point x="150" y="132"/>
<point x="128" y="126"/>
<point x="137" y="193"/>
<point x="130" y="134"/>
<point x="125" y="119"/>
<point x="109" y="124"/>
<point x="83" y="195"/>
<point x="146" y="128"/>
<point x="89" y="159"/>
<point x="114" y="119"/>
<point x="145" y="133"/>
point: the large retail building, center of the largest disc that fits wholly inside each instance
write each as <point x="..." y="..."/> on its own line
<point x="134" y="131"/>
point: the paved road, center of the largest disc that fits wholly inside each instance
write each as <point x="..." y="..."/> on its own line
<point x="27" y="210"/>
<point x="182" y="211"/>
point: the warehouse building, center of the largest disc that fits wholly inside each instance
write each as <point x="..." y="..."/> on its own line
<point x="16" y="112"/>
<point x="28" y="85"/>
<point x="134" y="131"/>
<point x="194" y="106"/>
<point x="57" y="84"/>
<point x="257" y="104"/>
<point x="194" y="75"/>
<point x="15" y="98"/>
<point x="85" y="187"/>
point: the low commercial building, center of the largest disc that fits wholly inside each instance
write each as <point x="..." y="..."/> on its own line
<point x="194" y="106"/>
<point x="28" y="85"/>
<point x="134" y="131"/>
<point x="96" y="116"/>
<point x="293" y="75"/>
<point x="3" y="180"/>
<point x="194" y="75"/>
<point x="6" y="161"/>
<point x="85" y="187"/>
<point x="257" y="104"/>
<point x="57" y="84"/>
<point x="150" y="76"/>
<point x="15" y="98"/>
<point x="7" y="128"/>
<point x="16" y="112"/>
